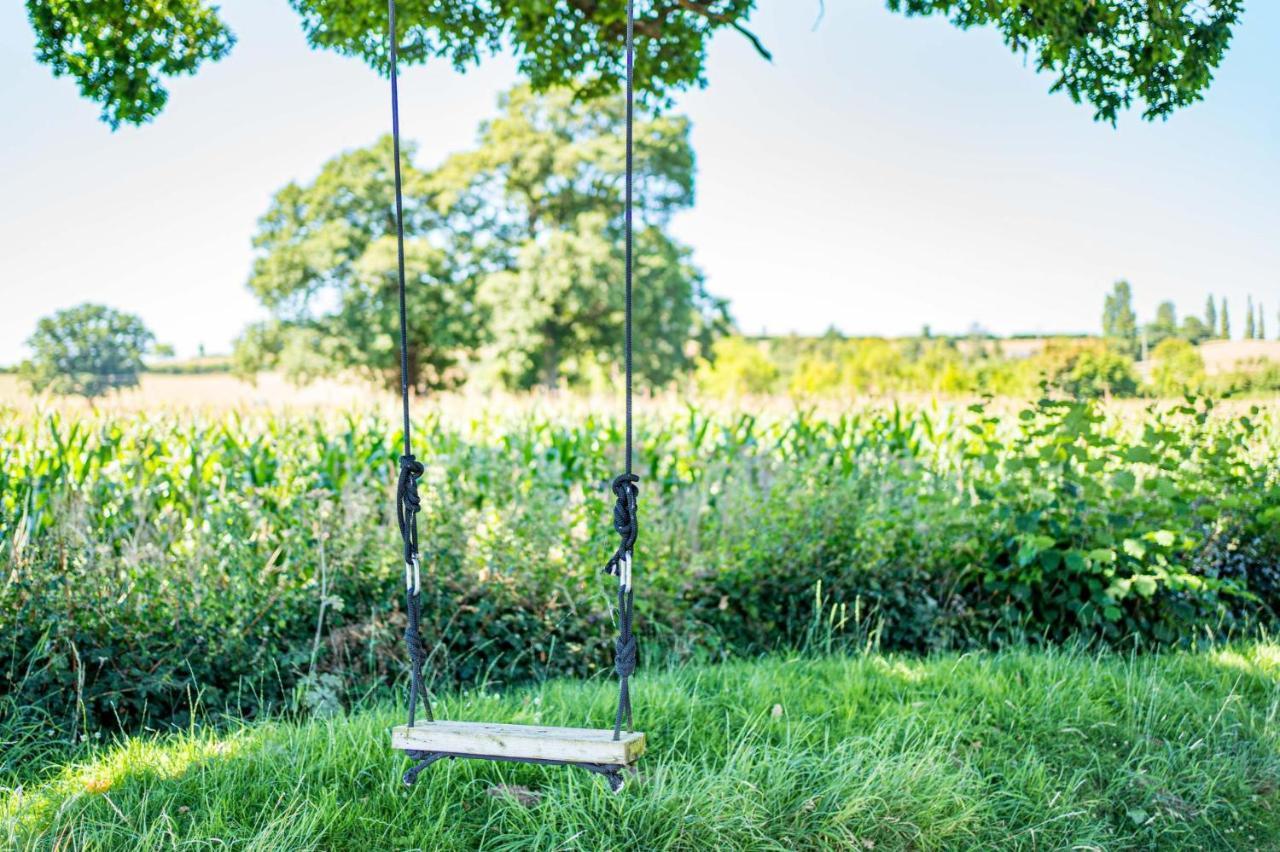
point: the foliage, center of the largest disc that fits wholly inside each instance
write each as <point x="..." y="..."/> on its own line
<point x="1251" y="377"/>
<point x="736" y="367"/>
<point x="1108" y="54"/>
<point x="1119" y="322"/>
<point x="1015" y="750"/>
<point x="150" y="559"/>
<point x="1178" y="368"/>
<point x="1163" y="327"/>
<point x="513" y="257"/>
<point x="118" y="51"/>
<point x="87" y="350"/>
<point x="1087" y="369"/>
<point x="834" y="366"/>
<point x="326" y="269"/>
<point x="1194" y="330"/>
<point x="546" y="185"/>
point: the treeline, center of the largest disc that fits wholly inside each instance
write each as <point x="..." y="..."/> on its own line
<point x="1120" y="322"/>
<point x="1075" y="367"/>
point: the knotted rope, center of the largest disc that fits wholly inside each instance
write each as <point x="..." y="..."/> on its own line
<point x="625" y="522"/>
<point x="627" y="525"/>
<point x="408" y="504"/>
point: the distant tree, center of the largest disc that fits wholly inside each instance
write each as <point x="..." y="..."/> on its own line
<point x="1164" y="326"/>
<point x="1262" y="323"/>
<point x="1211" y="316"/>
<point x="1110" y="54"/>
<point x="1250" y="323"/>
<point x="737" y="366"/>
<point x="548" y="176"/>
<point x="875" y="365"/>
<point x="1119" y="322"/>
<point x="1086" y="369"/>
<point x="1225" y="331"/>
<point x="513" y="256"/>
<point x="813" y="376"/>
<point x="1193" y="330"/>
<point x="87" y="350"/>
<point x="326" y="270"/>
<point x="1178" y="368"/>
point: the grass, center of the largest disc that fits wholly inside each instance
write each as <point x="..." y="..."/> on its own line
<point x="1019" y="749"/>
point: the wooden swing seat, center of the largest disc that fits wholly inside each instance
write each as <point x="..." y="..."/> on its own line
<point x="520" y="742"/>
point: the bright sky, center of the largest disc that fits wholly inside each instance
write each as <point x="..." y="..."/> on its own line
<point x="881" y="174"/>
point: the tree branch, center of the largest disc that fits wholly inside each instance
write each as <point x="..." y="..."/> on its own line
<point x="703" y="9"/>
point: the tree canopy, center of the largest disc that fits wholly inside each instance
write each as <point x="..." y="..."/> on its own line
<point x="1119" y="322"/>
<point x="1110" y="54"/>
<point x="87" y="350"/>
<point x="513" y="255"/>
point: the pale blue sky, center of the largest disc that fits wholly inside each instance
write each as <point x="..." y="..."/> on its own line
<point x="881" y="174"/>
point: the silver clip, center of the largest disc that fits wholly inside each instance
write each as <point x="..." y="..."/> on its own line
<point x="413" y="575"/>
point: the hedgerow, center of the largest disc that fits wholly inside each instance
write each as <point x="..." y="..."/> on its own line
<point x="248" y="563"/>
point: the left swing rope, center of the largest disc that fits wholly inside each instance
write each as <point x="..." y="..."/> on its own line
<point x="408" y="503"/>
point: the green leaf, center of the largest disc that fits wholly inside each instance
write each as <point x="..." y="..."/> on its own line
<point x="1123" y="480"/>
<point x="1135" y="548"/>
<point x="1144" y="585"/>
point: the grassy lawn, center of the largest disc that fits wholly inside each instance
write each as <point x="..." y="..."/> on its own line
<point x="1023" y="749"/>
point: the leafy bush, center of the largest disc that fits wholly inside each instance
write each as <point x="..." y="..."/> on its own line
<point x="251" y="561"/>
<point x="1086" y="369"/>
<point x="1178" y="368"/>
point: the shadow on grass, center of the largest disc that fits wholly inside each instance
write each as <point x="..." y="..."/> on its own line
<point x="1019" y="749"/>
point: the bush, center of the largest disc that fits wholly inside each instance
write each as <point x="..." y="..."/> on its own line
<point x="1178" y="368"/>
<point x="737" y="366"/>
<point x="1085" y="369"/>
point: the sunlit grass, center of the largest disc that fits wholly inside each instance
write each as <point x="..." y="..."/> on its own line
<point x="1034" y="750"/>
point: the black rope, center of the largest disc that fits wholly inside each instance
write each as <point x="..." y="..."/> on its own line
<point x="408" y="503"/>
<point x="625" y="490"/>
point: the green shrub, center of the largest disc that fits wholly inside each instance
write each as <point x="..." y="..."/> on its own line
<point x="1178" y="368"/>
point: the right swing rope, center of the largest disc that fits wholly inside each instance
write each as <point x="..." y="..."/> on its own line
<point x="624" y="486"/>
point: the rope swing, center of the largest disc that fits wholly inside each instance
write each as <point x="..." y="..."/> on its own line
<point x="601" y="751"/>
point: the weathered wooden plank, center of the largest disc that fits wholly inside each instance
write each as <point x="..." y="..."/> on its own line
<point x="573" y="745"/>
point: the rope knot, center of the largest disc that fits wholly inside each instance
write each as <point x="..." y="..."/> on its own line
<point x="624" y="660"/>
<point x="625" y="522"/>
<point x="408" y="504"/>
<point x="410" y="471"/>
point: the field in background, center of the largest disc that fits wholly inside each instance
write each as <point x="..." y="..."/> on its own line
<point x="219" y="392"/>
<point x="209" y="390"/>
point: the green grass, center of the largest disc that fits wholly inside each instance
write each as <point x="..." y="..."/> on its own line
<point x="1020" y="749"/>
